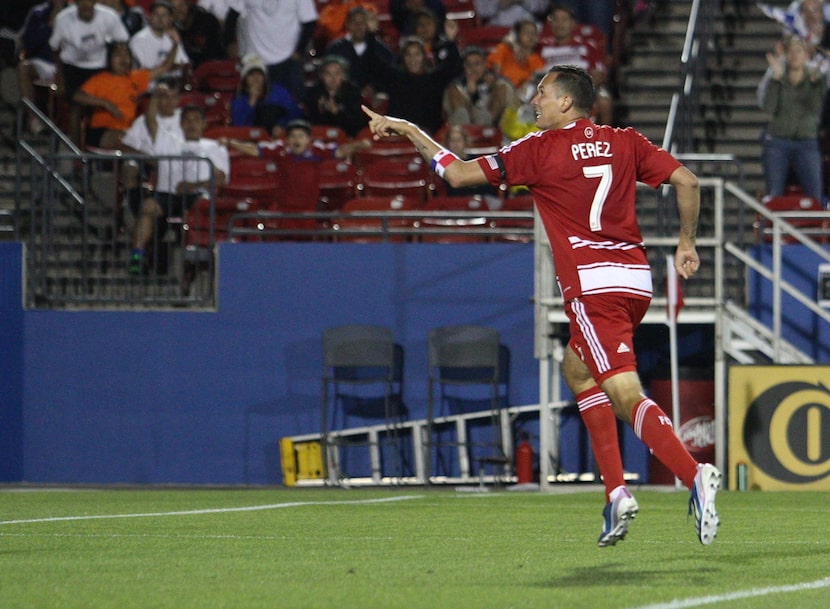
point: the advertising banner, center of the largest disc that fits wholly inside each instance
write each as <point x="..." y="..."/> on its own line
<point x="779" y="427"/>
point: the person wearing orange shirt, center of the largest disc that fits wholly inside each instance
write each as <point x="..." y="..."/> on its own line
<point x="516" y="58"/>
<point x="113" y="95"/>
<point x="331" y="23"/>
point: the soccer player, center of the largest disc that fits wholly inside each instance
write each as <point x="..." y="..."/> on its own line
<point x="583" y="177"/>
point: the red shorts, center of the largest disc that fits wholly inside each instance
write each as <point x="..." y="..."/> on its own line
<point x="602" y="332"/>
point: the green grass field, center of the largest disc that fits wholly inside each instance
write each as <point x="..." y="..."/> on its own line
<point x="404" y="548"/>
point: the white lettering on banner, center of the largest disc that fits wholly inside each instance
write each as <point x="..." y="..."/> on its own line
<point x="697" y="433"/>
<point x="590" y="150"/>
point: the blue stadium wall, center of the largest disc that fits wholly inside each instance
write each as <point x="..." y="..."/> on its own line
<point x="203" y="397"/>
<point x="179" y="397"/>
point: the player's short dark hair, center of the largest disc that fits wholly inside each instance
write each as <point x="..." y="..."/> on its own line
<point x="577" y="83"/>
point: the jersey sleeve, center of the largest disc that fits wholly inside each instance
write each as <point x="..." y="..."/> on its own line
<point x="513" y="164"/>
<point x="654" y="165"/>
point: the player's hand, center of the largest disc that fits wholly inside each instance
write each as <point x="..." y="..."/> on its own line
<point x="384" y="126"/>
<point x="686" y="261"/>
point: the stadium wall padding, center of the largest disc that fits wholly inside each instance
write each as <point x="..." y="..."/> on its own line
<point x="804" y="330"/>
<point x="183" y="397"/>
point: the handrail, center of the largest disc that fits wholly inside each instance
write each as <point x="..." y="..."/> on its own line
<point x="54" y="130"/>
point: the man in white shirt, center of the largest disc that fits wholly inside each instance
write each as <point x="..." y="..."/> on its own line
<point x="294" y="20"/>
<point x="79" y="38"/>
<point x="138" y="139"/>
<point x="180" y="182"/>
<point x="151" y="44"/>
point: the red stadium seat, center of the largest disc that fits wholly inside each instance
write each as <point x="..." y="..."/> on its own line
<point x="484" y="36"/>
<point x="446" y="228"/>
<point x="409" y="177"/>
<point x="217" y="105"/>
<point x="388" y="147"/>
<point x="370" y="228"/>
<point x="197" y="219"/>
<point x="214" y="75"/>
<point x="338" y="181"/>
<point x="329" y="134"/>
<point x="819" y="228"/>
<point x="483" y="139"/>
<point x="237" y="132"/>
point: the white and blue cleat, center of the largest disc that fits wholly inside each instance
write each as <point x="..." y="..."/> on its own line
<point x="616" y="516"/>
<point x="702" y="502"/>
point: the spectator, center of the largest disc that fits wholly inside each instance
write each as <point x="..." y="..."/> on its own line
<point x="412" y="86"/>
<point x="517" y="121"/>
<point x="168" y="118"/>
<point x="334" y="100"/>
<point x="199" y="31"/>
<point x="37" y="60"/>
<point x="404" y="13"/>
<point x="217" y="8"/>
<point x="565" y="46"/>
<point x="508" y="13"/>
<point x="180" y="183"/>
<point x="80" y="35"/>
<point x="297" y="145"/>
<point x="152" y="44"/>
<point x="793" y="99"/>
<point x="358" y="47"/>
<point x="114" y="93"/>
<point x="457" y="141"/>
<point x="331" y="23"/>
<point x="259" y="102"/>
<point x="298" y="159"/>
<point x="278" y="31"/>
<point x="132" y="17"/>
<point x="435" y="41"/>
<point x="478" y="96"/>
<point x="517" y="58"/>
<point x="138" y="138"/>
<point x="598" y="13"/>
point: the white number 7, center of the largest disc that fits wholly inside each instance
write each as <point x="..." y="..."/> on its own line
<point x="605" y="174"/>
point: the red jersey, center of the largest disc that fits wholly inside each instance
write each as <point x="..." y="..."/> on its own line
<point x="578" y="51"/>
<point x="583" y="179"/>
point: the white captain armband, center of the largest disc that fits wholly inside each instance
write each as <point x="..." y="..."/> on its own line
<point x="442" y="159"/>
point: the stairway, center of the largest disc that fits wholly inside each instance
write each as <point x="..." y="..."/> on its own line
<point x="729" y="120"/>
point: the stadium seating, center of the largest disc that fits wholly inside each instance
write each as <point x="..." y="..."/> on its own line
<point x="217" y="75"/>
<point x="369" y="229"/>
<point x="818" y="228"/>
<point x="407" y="176"/>
<point x="338" y="181"/>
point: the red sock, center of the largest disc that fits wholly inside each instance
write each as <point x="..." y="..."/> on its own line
<point x="601" y="422"/>
<point x="655" y="429"/>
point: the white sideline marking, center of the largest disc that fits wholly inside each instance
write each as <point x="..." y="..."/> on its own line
<point x="709" y="600"/>
<point x="250" y="508"/>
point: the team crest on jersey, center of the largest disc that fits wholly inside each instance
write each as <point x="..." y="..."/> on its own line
<point x="589" y="132"/>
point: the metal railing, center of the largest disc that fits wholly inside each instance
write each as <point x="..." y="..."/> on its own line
<point x="79" y="229"/>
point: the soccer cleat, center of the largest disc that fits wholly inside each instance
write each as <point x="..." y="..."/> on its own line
<point x="616" y="516"/>
<point x="702" y="502"/>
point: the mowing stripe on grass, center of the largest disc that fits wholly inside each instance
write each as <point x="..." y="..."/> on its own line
<point x="709" y="600"/>
<point x="249" y="508"/>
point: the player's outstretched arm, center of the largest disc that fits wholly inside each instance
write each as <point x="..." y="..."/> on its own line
<point x="454" y="170"/>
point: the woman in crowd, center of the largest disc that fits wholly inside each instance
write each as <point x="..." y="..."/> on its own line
<point x="259" y="102"/>
<point x="334" y="100"/>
